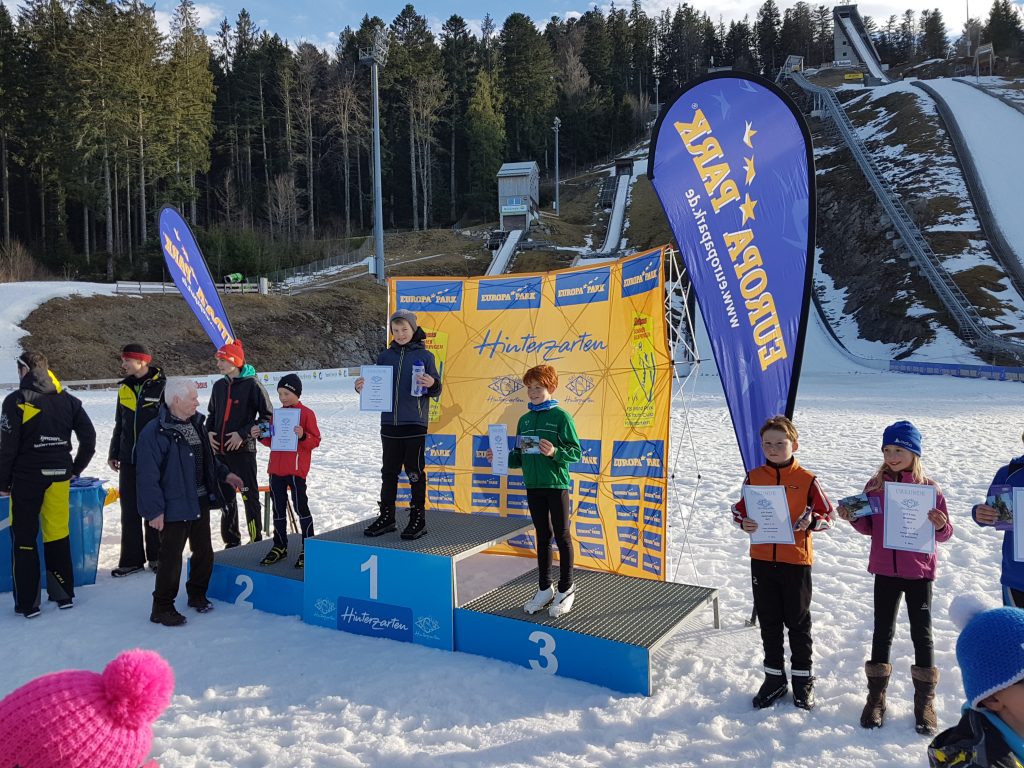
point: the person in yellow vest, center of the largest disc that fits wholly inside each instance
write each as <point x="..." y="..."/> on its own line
<point x="781" y="573"/>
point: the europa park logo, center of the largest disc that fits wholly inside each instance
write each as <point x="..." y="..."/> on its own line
<point x="505" y="386"/>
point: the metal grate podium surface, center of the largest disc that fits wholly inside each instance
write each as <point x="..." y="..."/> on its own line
<point x="248" y="557"/>
<point x="449" y="534"/>
<point x="624" y="609"/>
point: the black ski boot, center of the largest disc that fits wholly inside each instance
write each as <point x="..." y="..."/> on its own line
<point x="417" y="523"/>
<point x="803" y="691"/>
<point x="385" y="522"/>
<point x="772" y="689"/>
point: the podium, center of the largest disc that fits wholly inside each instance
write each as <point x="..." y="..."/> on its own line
<point x="388" y="587"/>
<point x="609" y="638"/>
<point x="239" y="578"/>
<point x="408" y="590"/>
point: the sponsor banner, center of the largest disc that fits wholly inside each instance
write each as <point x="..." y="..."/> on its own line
<point x="603" y="329"/>
<point x="732" y="165"/>
<point x="375" y="619"/>
<point x="188" y="269"/>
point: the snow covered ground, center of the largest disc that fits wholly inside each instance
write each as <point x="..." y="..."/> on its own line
<point x="255" y="690"/>
<point x="993" y="132"/>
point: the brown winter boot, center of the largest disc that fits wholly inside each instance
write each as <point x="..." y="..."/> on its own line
<point x="925" y="680"/>
<point x="878" y="680"/>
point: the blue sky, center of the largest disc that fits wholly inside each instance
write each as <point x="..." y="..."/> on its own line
<point x="320" y="22"/>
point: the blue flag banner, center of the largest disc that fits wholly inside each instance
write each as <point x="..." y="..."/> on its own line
<point x="732" y="164"/>
<point x="188" y="268"/>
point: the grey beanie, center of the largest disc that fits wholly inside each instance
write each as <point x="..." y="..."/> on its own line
<point x="405" y="315"/>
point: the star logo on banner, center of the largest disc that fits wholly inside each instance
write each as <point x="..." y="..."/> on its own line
<point x="748" y="209"/>
<point x="748" y="166"/>
<point x="748" y="134"/>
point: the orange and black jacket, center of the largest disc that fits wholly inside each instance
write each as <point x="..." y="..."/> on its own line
<point x="36" y="423"/>
<point x="138" y="402"/>
<point x="804" y="495"/>
<point x="238" y="405"/>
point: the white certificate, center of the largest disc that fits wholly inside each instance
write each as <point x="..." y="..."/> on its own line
<point x="1018" y="524"/>
<point x="376" y="393"/>
<point x="768" y="507"/>
<point x="906" y="522"/>
<point x="285" y="422"/>
<point x="497" y="435"/>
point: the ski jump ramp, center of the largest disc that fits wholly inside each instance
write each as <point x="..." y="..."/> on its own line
<point x="849" y="21"/>
<point x="501" y="259"/>
<point x="615" y="221"/>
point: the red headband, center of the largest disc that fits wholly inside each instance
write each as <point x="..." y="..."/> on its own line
<point x="137" y="356"/>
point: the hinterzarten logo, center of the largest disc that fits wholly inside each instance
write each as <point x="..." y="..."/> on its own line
<point x="325" y="609"/>
<point x="580" y="385"/>
<point x="427" y="626"/>
<point x="506" y="386"/>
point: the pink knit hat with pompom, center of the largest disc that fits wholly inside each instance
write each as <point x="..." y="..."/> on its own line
<point x="81" y="719"/>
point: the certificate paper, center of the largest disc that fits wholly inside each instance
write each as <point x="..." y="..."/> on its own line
<point x="907" y="526"/>
<point x="768" y="507"/>
<point x="497" y="435"/>
<point x="1018" y="524"/>
<point x="285" y="422"/>
<point x="376" y="394"/>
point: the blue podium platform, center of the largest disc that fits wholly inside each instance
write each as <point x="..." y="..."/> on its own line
<point x="609" y="637"/>
<point x="239" y="578"/>
<point x="389" y="587"/>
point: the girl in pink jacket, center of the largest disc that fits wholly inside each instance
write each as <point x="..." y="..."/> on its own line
<point x="901" y="575"/>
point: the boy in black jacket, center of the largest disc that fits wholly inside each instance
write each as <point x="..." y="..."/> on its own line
<point x="138" y="401"/>
<point x="403" y="429"/>
<point x="238" y="405"/>
<point x="35" y="471"/>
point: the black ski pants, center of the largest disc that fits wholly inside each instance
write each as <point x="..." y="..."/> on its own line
<point x="39" y="502"/>
<point x="782" y="598"/>
<point x="399" y="452"/>
<point x="243" y="464"/>
<point x="279" y="486"/>
<point x="550" y="509"/>
<point x="918" y="596"/>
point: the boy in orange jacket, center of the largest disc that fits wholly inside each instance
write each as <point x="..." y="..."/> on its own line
<point x="288" y="469"/>
<point x="781" y="573"/>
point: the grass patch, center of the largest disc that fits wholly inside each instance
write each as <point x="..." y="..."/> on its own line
<point x="648" y="227"/>
<point x="541" y="261"/>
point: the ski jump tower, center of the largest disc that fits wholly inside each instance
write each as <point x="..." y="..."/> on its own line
<point x="852" y="42"/>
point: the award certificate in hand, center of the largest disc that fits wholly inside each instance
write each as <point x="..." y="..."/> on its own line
<point x="768" y="507"/>
<point x="376" y="393"/>
<point x="907" y="526"/>
<point x="285" y="422"/>
<point x="1018" y="524"/>
<point x="497" y="436"/>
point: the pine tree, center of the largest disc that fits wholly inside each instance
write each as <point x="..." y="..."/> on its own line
<point x="485" y="128"/>
<point x="933" y="35"/>
<point x="528" y="87"/>
<point x="1004" y="29"/>
<point x="767" y="30"/>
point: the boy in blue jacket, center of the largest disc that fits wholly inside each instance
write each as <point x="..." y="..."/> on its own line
<point x="1012" y="578"/>
<point x="403" y="429"/>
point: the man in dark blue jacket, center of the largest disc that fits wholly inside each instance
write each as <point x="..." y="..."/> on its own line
<point x="178" y="483"/>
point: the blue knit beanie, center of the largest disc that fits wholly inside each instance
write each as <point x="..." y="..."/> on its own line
<point x="990" y="649"/>
<point x="904" y="434"/>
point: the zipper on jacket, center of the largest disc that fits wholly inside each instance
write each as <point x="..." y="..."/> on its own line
<point x="224" y="422"/>
<point x="398" y="384"/>
<point x="778" y="481"/>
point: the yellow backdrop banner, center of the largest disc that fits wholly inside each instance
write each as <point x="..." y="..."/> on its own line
<point x="603" y="329"/>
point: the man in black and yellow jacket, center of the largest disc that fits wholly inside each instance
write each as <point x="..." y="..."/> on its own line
<point x="138" y="402"/>
<point x="36" y="468"/>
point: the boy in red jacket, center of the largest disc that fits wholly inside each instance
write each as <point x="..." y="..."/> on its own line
<point x="288" y="469"/>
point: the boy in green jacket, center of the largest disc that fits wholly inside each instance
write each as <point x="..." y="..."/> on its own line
<point x="546" y="445"/>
